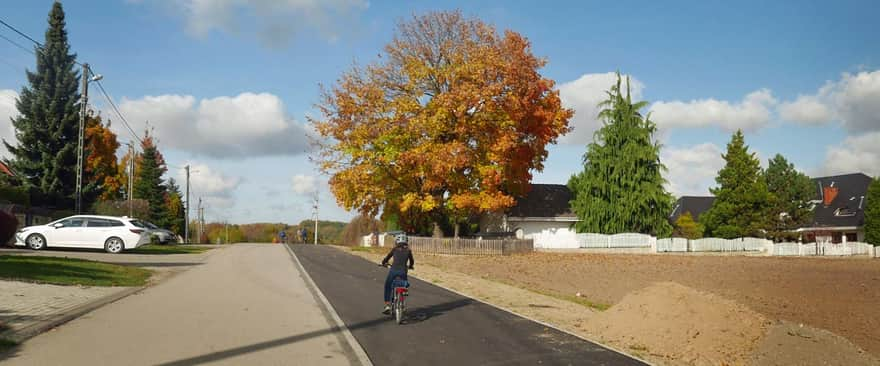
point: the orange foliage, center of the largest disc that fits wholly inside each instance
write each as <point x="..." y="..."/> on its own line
<point x="452" y="121"/>
<point x="101" y="164"/>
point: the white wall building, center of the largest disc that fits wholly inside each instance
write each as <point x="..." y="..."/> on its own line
<point x="543" y="215"/>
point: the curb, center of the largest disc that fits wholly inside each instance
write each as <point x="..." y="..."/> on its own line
<point x="26" y="333"/>
<point x="357" y="351"/>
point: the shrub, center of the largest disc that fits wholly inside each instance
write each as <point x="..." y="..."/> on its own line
<point x="8" y="225"/>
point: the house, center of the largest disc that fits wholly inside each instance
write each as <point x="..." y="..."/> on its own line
<point x="544" y="215"/>
<point x="838" y="210"/>
<point x="696" y="205"/>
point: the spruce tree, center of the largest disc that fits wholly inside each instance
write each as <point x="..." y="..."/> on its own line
<point x="872" y="213"/>
<point x="791" y="192"/>
<point x="621" y="187"/>
<point x="48" y="123"/>
<point x="742" y="201"/>
<point x="148" y="184"/>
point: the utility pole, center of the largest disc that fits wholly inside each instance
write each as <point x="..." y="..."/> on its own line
<point x="130" y="179"/>
<point x="226" y="227"/>
<point x="199" y="219"/>
<point x="186" y="208"/>
<point x="83" y="110"/>
<point x="316" y="216"/>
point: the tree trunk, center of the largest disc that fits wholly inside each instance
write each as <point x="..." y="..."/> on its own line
<point x="437" y="233"/>
<point x="457" y="227"/>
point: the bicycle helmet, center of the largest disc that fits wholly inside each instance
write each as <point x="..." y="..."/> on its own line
<point x="400" y="239"/>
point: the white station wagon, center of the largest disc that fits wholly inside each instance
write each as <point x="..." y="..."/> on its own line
<point x="113" y="234"/>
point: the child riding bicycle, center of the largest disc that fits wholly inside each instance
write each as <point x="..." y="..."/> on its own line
<point x="401" y="254"/>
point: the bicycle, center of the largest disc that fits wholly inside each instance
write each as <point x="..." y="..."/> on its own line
<point x="399" y="293"/>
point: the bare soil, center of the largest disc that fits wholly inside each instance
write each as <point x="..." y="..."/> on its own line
<point x="840" y="295"/>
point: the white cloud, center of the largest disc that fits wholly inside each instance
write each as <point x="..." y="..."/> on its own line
<point x="750" y="114"/>
<point x="7" y="111"/>
<point x="583" y="95"/>
<point x="854" y="100"/>
<point x="806" y="109"/>
<point x="276" y="22"/>
<point x="304" y="184"/>
<point x="856" y="154"/>
<point x="245" y="125"/>
<point x="209" y="184"/>
<point x="692" y="170"/>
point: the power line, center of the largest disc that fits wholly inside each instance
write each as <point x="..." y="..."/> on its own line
<point x="18" y="45"/>
<point x="118" y="113"/>
<point x="20" y="33"/>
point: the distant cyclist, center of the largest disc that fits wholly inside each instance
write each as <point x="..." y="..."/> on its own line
<point x="401" y="255"/>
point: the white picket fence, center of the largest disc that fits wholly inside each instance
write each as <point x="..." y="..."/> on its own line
<point x="672" y="245"/>
<point x="625" y="240"/>
<point x="826" y="249"/>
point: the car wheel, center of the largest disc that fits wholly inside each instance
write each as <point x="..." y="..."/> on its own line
<point x="114" y="245"/>
<point x="36" y="242"/>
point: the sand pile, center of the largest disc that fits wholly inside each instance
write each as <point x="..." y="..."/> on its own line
<point x="683" y="326"/>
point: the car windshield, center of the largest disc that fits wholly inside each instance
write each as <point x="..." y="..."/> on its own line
<point x="150" y="225"/>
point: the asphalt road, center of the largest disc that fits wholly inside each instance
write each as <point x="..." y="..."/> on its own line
<point x="443" y="328"/>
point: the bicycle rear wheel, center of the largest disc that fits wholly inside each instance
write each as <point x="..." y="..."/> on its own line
<point x="398" y="310"/>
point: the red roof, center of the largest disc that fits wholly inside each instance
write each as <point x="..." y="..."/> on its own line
<point x="5" y="169"/>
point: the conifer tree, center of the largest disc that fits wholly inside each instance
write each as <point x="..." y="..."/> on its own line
<point x="47" y="126"/>
<point x="742" y="201"/>
<point x="621" y="186"/>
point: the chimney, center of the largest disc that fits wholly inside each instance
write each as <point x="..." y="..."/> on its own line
<point x="829" y="193"/>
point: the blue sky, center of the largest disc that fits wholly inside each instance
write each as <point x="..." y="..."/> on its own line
<point x="227" y="84"/>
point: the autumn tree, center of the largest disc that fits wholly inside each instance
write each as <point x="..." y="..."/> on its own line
<point x="174" y="207"/>
<point x="790" y="195"/>
<point x="742" y="200"/>
<point x="686" y="227"/>
<point x="47" y="126"/>
<point x="451" y="121"/>
<point x="101" y="164"/>
<point x="621" y="187"/>
<point x="360" y="226"/>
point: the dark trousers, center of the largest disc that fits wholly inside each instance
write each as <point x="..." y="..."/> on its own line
<point x="388" y="280"/>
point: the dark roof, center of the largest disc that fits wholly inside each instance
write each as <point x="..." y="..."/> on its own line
<point x="696" y="205"/>
<point x="848" y="206"/>
<point x="544" y="200"/>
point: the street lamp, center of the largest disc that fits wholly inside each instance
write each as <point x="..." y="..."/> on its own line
<point x="82" y="121"/>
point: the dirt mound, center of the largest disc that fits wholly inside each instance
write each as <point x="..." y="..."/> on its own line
<point x="683" y="325"/>
<point x="795" y="344"/>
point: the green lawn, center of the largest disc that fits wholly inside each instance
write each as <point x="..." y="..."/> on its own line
<point x="68" y="271"/>
<point x="167" y="249"/>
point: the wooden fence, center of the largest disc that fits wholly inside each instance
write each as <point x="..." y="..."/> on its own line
<point x="470" y="246"/>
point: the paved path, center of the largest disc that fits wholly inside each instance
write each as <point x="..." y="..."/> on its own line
<point x="24" y="305"/>
<point x="445" y="329"/>
<point x="246" y="305"/>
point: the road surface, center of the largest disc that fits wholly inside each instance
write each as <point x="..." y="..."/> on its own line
<point x="246" y="305"/>
<point x="445" y="328"/>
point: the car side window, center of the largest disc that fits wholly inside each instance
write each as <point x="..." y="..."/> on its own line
<point x="115" y="223"/>
<point x="72" y="223"/>
<point x="97" y="223"/>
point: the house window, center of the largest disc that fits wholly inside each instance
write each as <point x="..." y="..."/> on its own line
<point x="851" y="237"/>
<point x="837" y="238"/>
